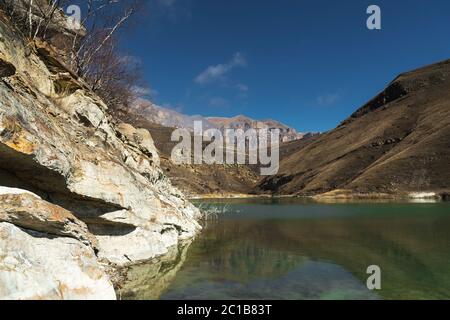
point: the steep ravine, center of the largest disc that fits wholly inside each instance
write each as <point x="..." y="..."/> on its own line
<point x="65" y="163"/>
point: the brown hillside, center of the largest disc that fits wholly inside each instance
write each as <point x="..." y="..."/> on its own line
<point x="397" y="142"/>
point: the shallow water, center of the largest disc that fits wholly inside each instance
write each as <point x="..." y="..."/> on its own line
<point x="296" y="249"/>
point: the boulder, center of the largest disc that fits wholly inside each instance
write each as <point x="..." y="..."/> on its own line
<point x="38" y="266"/>
<point x="28" y="211"/>
<point x="139" y="138"/>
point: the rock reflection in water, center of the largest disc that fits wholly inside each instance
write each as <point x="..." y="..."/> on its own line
<point x="301" y="250"/>
<point x="147" y="281"/>
<point x="252" y="259"/>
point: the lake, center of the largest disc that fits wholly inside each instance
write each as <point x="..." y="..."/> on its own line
<point x="298" y="249"/>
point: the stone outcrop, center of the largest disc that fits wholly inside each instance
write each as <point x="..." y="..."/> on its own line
<point x="36" y="265"/>
<point x="30" y="212"/>
<point x="46" y="252"/>
<point x="60" y="31"/>
<point x="140" y="139"/>
<point x="99" y="193"/>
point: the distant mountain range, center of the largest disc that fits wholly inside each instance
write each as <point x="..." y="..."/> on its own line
<point x="170" y="118"/>
<point x="242" y="122"/>
<point x="397" y="143"/>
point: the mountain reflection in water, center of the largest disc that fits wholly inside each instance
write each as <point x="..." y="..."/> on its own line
<point x="291" y="249"/>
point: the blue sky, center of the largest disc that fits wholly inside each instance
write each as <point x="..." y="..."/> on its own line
<point x="309" y="64"/>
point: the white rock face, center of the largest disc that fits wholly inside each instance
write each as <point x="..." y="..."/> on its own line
<point x="34" y="266"/>
<point x="140" y="243"/>
<point x="65" y="145"/>
<point x="27" y="211"/>
<point x="102" y="188"/>
<point x="139" y="138"/>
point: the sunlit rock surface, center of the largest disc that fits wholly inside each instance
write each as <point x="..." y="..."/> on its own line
<point x="58" y="142"/>
<point x="36" y="265"/>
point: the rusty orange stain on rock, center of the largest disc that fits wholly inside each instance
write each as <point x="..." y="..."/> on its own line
<point x="15" y="137"/>
<point x="21" y="144"/>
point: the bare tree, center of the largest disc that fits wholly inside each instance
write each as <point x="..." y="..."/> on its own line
<point x="102" y="19"/>
<point x="93" y="53"/>
<point x="34" y="17"/>
<point x="112" y="76"/>
<point x="96" y="55"/>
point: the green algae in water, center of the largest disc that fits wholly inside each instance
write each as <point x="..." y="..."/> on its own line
<point x="291" y="249"/>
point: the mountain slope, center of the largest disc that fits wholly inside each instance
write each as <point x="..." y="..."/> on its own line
<point x="398" y="142"/>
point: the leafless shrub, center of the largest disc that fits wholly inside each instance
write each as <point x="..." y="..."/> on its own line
<point x="113" y="77"/>
<point x="34" y="17"/>
<point x="102" y="20"/>
<point x="212" y="211"/>
<point x="93" y="53"/>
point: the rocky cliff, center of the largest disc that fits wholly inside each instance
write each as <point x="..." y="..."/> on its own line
<point x="78" y="190"/>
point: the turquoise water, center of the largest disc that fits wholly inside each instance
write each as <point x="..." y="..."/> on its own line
<point x="293" y="249"/>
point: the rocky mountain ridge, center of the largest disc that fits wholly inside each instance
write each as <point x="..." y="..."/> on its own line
<point x="242" y="122"/>
<point x="170" y="118"/>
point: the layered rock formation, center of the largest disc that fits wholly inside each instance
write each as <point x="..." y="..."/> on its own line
<point x="46" y="252"/>
<point x="163" y="116"/>
<point x="102" y="194"/>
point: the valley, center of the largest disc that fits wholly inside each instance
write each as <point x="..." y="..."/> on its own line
<point x="396" y="144"/>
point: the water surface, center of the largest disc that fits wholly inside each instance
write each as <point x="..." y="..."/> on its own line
<point x="296" y="249"/>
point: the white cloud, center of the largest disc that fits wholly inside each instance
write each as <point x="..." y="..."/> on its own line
<point x="166" y="3"/>
<point x="218" y="102"/>
<point x="328" y="99"/>
<point x="219" y="72"/>
<point x="128" y="59"/>
<point x="242" y="87"/>
<point x="144" y="91"/>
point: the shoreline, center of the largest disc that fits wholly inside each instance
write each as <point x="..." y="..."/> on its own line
<point x="338" y="196"/>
